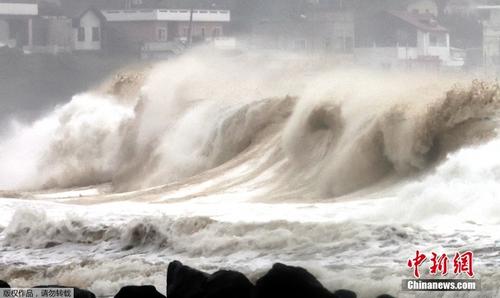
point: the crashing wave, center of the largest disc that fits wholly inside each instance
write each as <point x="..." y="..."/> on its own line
<point x="191" y="119"/>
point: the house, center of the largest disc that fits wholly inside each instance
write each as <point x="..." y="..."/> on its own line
<point x="56" y="30"/>
<point x="157" y="30"/>
<point x="88" y="30"/>
<point x="402" y="38"/>
<point x="490" y="16"/>
<point x="314" y="32"/>
<point x="16" y="22"/>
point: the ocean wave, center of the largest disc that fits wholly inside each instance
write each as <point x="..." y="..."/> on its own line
<point x="323" y="135"/>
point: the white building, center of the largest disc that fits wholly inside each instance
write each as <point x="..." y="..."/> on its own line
<point x="491" y="34"/>
<point x="401" y="38"/>
<point x="16" y="23"/>
<point x="88" y="30"/>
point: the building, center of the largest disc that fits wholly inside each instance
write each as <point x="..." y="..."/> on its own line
<point x="16" y="22"/>
<point x="404" y="39"/>
<point x="490" y="16"/>
<point x="315" y="32"/>
<point x="163" y="30"/>
<point x="88" y="31"/>
<point x="73" y="26"/>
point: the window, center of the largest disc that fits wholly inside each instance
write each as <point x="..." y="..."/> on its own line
<point x="96" y="36"/>
<point x="344" y="44"/>
<point x="348" y="44"/>
<point x="339" y="44"/>
<point x="327" y="43"/>
<point x="12" y="32"/>
<point x="81" y="34"/>
<point x="132" y="3"/>
<point x="433" y="40"/>
<point x="300" y="44"/>
<point x="437" y="40"/>
<point x="162" y="34"/>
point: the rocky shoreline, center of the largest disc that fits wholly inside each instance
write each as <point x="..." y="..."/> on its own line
<point x="281" y="281"/>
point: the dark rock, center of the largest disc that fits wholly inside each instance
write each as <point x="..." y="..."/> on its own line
<point x="184" y="281"/>
<point x="139" y="292"/>
<point x="79" y="293"/>
<point x="290" y="282"/>
<point x="51" y="244"/>
<point x="4" y="285"/>
<point x="345" y="294"/>
<point x="228" y="284"/>
<point x="385" y="296"/>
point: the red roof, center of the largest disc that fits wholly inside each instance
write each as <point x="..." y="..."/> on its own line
<point x="422" y="21"/>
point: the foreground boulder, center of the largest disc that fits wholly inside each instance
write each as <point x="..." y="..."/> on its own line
<point x="344" y="294"/>
<point x="184" y="281"/>
<point x="78" y="293"/>
<point x="228" y="284"/>
<point x="139" y="292"/>
<point x="281" y="281"/>
<point x="284" y="281"/>
<point x="4" y="285"/>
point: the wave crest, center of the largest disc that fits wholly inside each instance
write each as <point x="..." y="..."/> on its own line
<point x="192" y="119"/>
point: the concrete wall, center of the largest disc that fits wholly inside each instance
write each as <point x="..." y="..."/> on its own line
<point x="59" y="32"/>
<point x="131" y="36"/>
<point x="383" y="57"/>
<point x="53" y="32"/>
<point x="395" y="58"/>
<point x="19" y="31"/>
<point x="4" y="32"/>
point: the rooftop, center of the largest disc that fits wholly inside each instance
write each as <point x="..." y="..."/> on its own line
<point x="422" y="21"/>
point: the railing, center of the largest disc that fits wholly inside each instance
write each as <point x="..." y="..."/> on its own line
<point x="167" y="15"/>
<point x="46" y="49"/>
<point x="152" y="50"/>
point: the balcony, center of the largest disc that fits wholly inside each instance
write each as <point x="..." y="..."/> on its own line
<point x="181" y="15"/>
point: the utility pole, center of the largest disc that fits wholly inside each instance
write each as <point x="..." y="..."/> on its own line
<point x="190" y="28"/>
